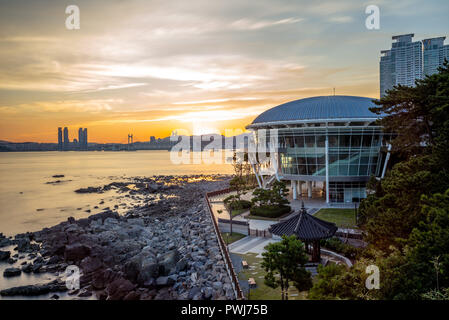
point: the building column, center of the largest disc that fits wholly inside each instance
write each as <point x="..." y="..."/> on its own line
<point x="386" y="161"/>
<point x="300" y="188"/>
<point x="326" y="152"/>
<point x="309" y="189"/>
<point x="293" y="184"/>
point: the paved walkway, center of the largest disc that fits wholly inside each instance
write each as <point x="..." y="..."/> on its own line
<point x="250" y="244"/>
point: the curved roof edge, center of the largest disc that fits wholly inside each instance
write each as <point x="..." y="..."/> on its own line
<point x="321" y="108"/>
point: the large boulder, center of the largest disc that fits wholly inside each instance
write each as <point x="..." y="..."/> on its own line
<point x="23" y="244"/>
<point x="12" y="272"/>
<point x="119" y="288"/>
<point x="4" y="255"/>
<point x="168" y="261"/>
<point x="90" y="264"/>
<point x="35" y="290"/>
<point x="149" y="269"/>
<point x="76" y="252"/>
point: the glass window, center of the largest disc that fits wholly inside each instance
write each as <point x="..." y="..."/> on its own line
<point x="354" y="158"/>
<point x="376" y="141"/>
<point x="333" y="158"/>
<point x="333" y="169"/>
<point x="310" y="141"/>
<point x="321" y="141"/>
<point x="294" y="169"/>
<point x="311" y="168"/>
<point x="289" y="142"/>
<point x="356" y="141"/>
<point x="321" y="159"/>
<point x="333" y="141"/>
<point x="367" y="141"/>
<point x="299" y="142"/>
<point x="302" y="170"/>
<point x="353" y="170"/>
<point x="364" y="160"/>
<point x="321" y="170"/>
<point x="345" y="141"/>
<point x="343" y="169"/>
<point x="311" y="160"/>
<point x="363" y="170"/>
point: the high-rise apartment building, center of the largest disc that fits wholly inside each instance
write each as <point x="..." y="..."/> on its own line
<point x="82" y="138"/>
<point x="434" y="53"/>
<point x="66" y="138"/>
<point x="60" y="146"/>
<point x="85" y="138"/>
<point x="408" y="60"/>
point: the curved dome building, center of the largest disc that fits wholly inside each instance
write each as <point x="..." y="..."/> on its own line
<point x="330" y="145"/>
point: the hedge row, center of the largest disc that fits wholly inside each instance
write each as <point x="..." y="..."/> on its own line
<point x="270" y="211"/>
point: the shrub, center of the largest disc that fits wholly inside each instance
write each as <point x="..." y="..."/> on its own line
<point x="237" y="204"/>
<point x="335" y="244"/>
<point x="270" y="211"/>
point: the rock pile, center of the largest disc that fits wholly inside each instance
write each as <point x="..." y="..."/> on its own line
<point x="166" y="250"/>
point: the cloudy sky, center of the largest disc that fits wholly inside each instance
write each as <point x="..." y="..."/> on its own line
<point x="148" y="67"/>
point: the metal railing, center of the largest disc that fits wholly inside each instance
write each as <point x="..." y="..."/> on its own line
<point x="224" y="249"/>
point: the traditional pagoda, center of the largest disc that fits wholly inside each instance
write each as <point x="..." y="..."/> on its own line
<point x="306" y="228"/>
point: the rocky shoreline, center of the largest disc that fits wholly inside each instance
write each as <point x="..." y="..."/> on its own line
<point x="163" y="248"/>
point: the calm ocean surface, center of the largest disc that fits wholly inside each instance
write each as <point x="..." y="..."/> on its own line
<point x="29" y="203"/>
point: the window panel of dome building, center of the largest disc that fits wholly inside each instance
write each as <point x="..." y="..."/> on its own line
<point x="367" y="139"/>
<point x="321" y="141"/>
<point x="345" y="141"/>
<point x="333" y="141"/>
<point x="356" y="141"/>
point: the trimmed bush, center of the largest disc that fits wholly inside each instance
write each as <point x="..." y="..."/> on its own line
<point x="239" y="204"/>
<point x="270" y="211"/>
<point x="335" y="244"/>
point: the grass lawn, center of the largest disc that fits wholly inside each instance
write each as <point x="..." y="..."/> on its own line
<point x="228" y="238"/>
<point x="343" y="218"/>
<point x="262" y="291"/>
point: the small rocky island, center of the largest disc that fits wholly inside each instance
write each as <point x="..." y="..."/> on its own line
<point x="163" y="249"/>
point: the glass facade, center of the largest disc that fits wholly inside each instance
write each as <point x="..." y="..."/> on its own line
<point x="352" y="151"/>
<point x="354" y="154"/>
<point x="347" y="191"/>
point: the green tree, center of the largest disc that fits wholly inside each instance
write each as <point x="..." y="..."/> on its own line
<point x="286" y="259"/>
<point x="429" y="244"/>
<point x="406" y="219"/>
<point x="238" y="184"/>
<point x="416" y="114"/>
<point x="274" y="196"/>
<point x="419" y="118"/>
<point x="279" y="193"/>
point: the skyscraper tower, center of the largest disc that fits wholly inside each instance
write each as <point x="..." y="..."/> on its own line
<point x="402" y="64"/>
<point x="85" y="138"/>
<point x="409" y="60"/>
<point x="434" y="53"/>
<point x="60" y="139"/>
<point x="66" y="138"/>
<point x="81" y="138"/>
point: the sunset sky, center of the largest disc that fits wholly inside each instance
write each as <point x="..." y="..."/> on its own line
<point x="149" y="67"/>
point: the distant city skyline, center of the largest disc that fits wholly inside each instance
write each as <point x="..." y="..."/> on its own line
<point x="151" y="67"/>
